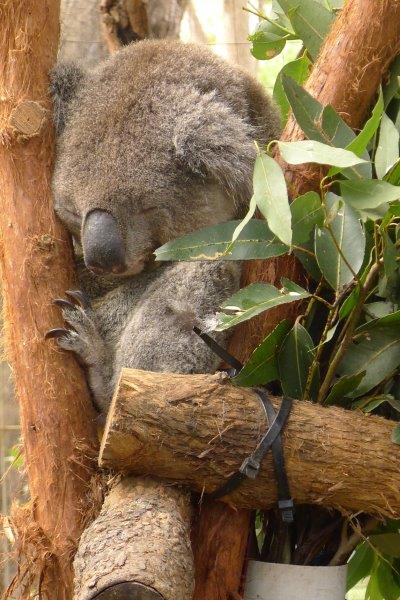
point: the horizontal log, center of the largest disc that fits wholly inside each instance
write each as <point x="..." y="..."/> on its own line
<point x="197" y="429"/>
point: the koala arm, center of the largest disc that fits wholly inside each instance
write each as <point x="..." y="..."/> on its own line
<point x="159" y="335"/>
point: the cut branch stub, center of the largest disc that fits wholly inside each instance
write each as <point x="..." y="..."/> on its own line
<point x="197" y="429"/>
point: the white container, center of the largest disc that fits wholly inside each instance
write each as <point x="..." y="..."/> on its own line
<point x="273" y="581"/>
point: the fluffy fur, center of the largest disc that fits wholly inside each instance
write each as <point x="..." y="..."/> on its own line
<point x="162" y="137"/>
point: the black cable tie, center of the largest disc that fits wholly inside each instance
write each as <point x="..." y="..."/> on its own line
<point x="272" y="439"/>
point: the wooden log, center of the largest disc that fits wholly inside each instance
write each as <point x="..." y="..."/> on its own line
<point x="197" y="429"/>
<point x="57" y="417"/>
<point x="364" y="39"/>
<point x="139" y="546"/>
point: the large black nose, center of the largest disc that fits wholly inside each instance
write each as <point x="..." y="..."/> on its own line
<point x="103" y="247"/>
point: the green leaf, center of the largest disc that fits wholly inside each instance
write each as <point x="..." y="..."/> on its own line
<point x="373" y="592"/>
<point x="377" y="310"/>
<point x="310" y="20"/>
<point x="255" y="299"/>
<point x="343" y="387"/>
<point x="215" y="243"/>
<point x="396" y="435"/>
<point x="360" y="564"/>
<point x="271" y="196"/>
<point x="306" y="212"/>
<point x="386" y="543"/>
<point x="377" y="352"/>
<point x="393" y="86"/>
<point x="361" y="141"/>
<point x="294" y="361"/>
<point x="319" y="123"/>
<point x="368" y="193"/>
<point x="370" y="403"/>
<point x="261" y="368"/>
<point x="389" y="255"/>
<point x="311" y="151"/>
<point x="386" y="582"/>
<point x="322" y="124"/>
<point x="390" y="320"/>
<point x="345" y="234"/>
<point x="296" y="69"/>
<point x="393" y="175"/>
<point x="387" y="152"/>
<point x="268" y="40"/>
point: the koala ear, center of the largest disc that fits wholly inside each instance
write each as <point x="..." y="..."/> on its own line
<point x="210" y="139"/>
<point x="65" y="80"/>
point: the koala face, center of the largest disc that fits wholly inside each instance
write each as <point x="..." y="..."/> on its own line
<point x="153" y="144"/>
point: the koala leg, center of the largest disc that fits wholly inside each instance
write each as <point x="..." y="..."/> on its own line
<point x="85" y="340"/>
<point x="159" y="336"/>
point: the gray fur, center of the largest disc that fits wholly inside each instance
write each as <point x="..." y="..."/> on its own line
<point x="162" y="137"/>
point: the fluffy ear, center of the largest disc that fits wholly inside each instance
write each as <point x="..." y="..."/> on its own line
<point x="210" y="139"/>
<point x="65" y="80"/>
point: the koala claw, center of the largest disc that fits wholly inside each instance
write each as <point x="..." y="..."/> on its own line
<point x="80" y="298"/>
<point x="64" y="303"/>
<point x="55" y="333"/>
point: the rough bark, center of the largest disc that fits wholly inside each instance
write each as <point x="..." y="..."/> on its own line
<point x="37" y="266"/>
<point x="139" y="545"/>
<point x="81" y="37"/>
<point x="196" y="430"/>
<point x="363" y="41"/>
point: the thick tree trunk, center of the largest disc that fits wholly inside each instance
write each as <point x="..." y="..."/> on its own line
<point x="36" y="261"/>
<point x="365" y="38"/>
<point x="334" y="458"/>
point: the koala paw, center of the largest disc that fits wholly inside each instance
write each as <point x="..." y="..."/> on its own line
<point x="83" y="337"/>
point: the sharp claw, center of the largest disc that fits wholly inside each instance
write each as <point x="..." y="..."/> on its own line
<point x="79" y="297"/>
<point x="55" y="333"/>
<point x="64" y="303"/>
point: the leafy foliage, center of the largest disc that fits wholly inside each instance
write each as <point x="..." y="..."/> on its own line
<point x="344" y="347"/>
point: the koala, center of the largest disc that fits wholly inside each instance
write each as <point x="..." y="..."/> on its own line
<point x="154" y="143"/>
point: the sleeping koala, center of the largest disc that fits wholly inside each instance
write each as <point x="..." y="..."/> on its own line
<point x="156" y="142"/>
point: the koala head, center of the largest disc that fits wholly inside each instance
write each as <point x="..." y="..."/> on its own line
<point x="156" y="142"/>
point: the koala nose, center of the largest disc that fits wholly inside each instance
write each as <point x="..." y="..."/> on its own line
<point x="102" y="243"/>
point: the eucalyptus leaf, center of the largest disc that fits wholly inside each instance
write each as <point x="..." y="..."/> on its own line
<point x="261" y="368"/>
<point x="296" y="69"/>
<point x="310" y="20"/>
<point x="319" y="123"/>
<point x="360" y="564"/>
<point x="387" y="152"/>
<point x="361" y="141"/>
<point x="340" y="249"/>
<point x="294" y="361"/>
<point x="344" y="386"/>
<point x="215" y="243"/>
<point x="377" y="352"/>
<point x="390" y="320"/>
<point x="270" y="194"/>
<point x="322" y="123"/>
<point x="307" y="258"/>
<point x="393" y="175"/>
<point x="393" y="86"/>
<point x="255" y="299"/>
<point x="306" y="212"/>
<point x="368" y="193"/>
<point x="396" y="435"/>
<point x="387" y="584"/>
<point x="389" y="255"/>
<point x="268" y="40"/>
<point x="311" y="151"/>
<point x="387" y="543"/>
<point x="370" y="403"/>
